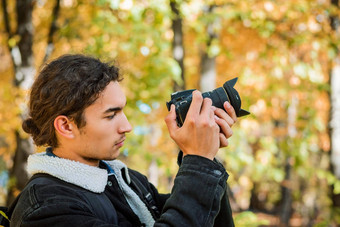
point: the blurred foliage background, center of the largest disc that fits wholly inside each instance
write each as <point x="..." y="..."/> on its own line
<point x="282" y="159"/>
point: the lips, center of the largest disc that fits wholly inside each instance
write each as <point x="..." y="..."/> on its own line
<point x="120" y="143"/>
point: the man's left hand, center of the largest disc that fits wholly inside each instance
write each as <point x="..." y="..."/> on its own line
<point x="225" y="119"/>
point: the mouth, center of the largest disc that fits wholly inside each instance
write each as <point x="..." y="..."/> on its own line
<point x="121" y="142"/>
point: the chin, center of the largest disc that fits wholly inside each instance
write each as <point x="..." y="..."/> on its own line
<point x="112" y="156"/>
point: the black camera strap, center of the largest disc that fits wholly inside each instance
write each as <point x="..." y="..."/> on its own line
<point x="179" y="158"/>
<point x="145" y="195"/>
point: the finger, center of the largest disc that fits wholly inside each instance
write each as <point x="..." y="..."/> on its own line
<point x="224" y="115"/>
<point x="224" y="127"/>
<point x="223" y="141"/>
<point x="230" y="110"/>
<point x="195" y="105"/>
<point x="207" y="107"/>
<point x="170" y="119"/>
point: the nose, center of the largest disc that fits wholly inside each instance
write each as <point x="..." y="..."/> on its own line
<point x="125" y="125"/>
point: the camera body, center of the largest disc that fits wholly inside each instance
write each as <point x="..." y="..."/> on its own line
<point x="182" y="100"/>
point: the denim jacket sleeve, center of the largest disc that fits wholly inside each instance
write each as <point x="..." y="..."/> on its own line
<point x="198" y="197"/>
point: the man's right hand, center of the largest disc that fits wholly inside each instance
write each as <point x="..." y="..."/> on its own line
<point x="199" y="135"/>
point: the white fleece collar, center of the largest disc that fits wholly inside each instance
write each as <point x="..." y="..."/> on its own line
<point x="88" y="177"/>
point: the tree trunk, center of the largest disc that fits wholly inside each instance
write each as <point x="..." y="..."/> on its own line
<point x="334" y="120"/>
<point x="53" y="29"/>
<point x="208" y="63"/>
<point x="334" y="124"/>
<point x="286" y="191"/>
<point x="178" y="54"/>
<point x="177" y="42"/>
<point x="208" y="73"/>
<point x="18" y="172"/>
<point x="23" y="63"/>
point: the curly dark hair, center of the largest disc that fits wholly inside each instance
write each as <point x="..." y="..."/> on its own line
<point x="65" y="86"/>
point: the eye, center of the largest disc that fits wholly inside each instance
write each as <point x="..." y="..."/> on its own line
<point x="110" y="117"/>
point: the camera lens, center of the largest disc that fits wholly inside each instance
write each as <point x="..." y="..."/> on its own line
<point x="182" y="100"/>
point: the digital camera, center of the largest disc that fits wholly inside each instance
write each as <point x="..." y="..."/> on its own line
<point x="182" y="100"/>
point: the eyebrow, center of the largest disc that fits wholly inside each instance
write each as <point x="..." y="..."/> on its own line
<point x="113" y="109"/>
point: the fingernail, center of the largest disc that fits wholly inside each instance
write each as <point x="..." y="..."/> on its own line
<point x="227" y="104"/>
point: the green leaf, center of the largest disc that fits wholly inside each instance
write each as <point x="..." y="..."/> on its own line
<point x="337" y="187"/>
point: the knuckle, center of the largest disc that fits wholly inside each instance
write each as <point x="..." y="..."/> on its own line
<point x="231" y="121"/>
<point x="190" y="121"/>
<point x="205" y="123"/>
<point x="218" y="120"/>
<point x="208" y="101"/>
<point x="219" y="111"/>
<point x="197" y="94"/>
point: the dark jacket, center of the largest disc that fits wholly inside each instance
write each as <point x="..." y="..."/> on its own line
<point x="198" y="198"/>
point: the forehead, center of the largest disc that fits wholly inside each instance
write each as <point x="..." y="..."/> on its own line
<point x="112" y="96"/>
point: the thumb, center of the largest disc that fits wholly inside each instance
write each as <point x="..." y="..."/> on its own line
<point x="170" y="119"/>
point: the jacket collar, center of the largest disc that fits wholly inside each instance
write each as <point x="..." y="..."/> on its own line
<point x="88" y="177"/>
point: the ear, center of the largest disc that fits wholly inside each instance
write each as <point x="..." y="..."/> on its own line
<point x="64" y="127"/>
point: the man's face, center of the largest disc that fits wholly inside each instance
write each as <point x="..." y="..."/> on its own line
<point x="105" y="128"/>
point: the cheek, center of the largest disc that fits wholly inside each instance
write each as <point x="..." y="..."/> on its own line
<point x="98" y="139"/>
<point x="102" y="129"/>
<point x="101" y="133"/>
<point x="105" y="130"/>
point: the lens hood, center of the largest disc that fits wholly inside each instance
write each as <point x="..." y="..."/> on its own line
<point x="234" y="97"/>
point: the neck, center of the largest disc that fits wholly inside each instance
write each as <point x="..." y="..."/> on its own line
<point x="62" y="153"/>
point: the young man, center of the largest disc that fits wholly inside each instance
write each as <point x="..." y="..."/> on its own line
<point x="76" y="109"/>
